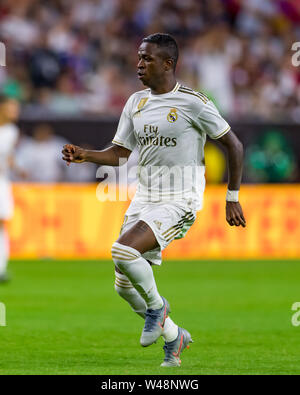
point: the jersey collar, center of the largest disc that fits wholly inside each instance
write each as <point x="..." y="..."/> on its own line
<point x="175" y="89"/>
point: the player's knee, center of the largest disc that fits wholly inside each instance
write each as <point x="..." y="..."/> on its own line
<point x="123" y="255"/>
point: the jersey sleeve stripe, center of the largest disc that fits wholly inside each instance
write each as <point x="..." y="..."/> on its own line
<point x="189" y="90"/>
<point x="185" y="88"/>
<point x="194" y="94"/>
<point x="118" y="143"/>
<point x="200" y="94"/>
<point x="221" y="134"/>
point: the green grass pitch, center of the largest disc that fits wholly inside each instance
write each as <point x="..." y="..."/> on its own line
<point x="64" y="317"/>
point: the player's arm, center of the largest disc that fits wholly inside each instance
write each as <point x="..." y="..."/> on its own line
<point x="109" y="156"/>
<point x="112" y="155"/>
<point x="234" y="149"/>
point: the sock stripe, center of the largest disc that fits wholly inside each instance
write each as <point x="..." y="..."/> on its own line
<point x="121" y="276"/>
<point x="123" y="252"/>
<point x="124" y="282"/>
<point x="124" y="248"/>
<point x="122" y="258"/>
<point x="117" y="250"/>
<point x="123" y="285"/>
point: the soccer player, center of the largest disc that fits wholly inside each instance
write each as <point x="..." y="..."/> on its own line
<point x="168" y="123"/>
<point x="9" y="112"/>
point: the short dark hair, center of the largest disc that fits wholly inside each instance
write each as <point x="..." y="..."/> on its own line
<point x="165" y="41"/>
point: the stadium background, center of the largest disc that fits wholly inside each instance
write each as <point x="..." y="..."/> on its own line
<point x="72" y="66"/>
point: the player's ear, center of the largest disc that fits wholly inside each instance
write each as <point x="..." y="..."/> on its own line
<point x="169" y="63"/>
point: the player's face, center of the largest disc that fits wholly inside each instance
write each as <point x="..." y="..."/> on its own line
<point x="10" y="110"/>
<point x="151" y="65"/>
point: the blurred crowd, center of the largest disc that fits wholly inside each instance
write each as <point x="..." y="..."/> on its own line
<point x="40" y="159"/>
<point x="268" y="159"/>
<point x="70" y="57"/>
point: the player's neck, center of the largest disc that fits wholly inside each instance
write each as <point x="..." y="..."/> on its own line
<point x="165" y="87"/>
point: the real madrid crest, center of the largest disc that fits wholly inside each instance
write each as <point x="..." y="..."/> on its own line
<point x="172" y="116"/>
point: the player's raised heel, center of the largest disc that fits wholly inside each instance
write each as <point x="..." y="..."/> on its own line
<point x="154" y="324"/>
<point x="174" y="349"/>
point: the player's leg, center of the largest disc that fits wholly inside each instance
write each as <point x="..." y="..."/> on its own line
<point x="169" y="222"/>
<point x="4" y="252"/>
<point x="176" y="339"/>
<point x="126" y="290"/>
<point x="123" y="285"/>
<point x="127" y="256"/>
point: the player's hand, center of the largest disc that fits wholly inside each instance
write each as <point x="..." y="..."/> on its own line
<point x="73" y="153"/>
<point x="234" y="214"/>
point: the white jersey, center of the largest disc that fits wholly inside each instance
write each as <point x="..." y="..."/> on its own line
<point x="170" y="131"/>
<point x="8" y="137"/>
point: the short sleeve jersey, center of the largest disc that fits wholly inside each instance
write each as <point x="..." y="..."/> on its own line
<point x="8" y="137"/>
<point x="170" y="131"/>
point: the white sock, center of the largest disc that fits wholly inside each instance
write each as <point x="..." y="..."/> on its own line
<point x="4" y="250"/>
<point x="125" y="289"/>
<point x="170" y="330"/>
<point x="139" y="272"/>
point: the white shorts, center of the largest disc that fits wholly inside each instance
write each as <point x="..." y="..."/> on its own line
<point x="168" y="221"/>
<point x="6" y="200"/>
